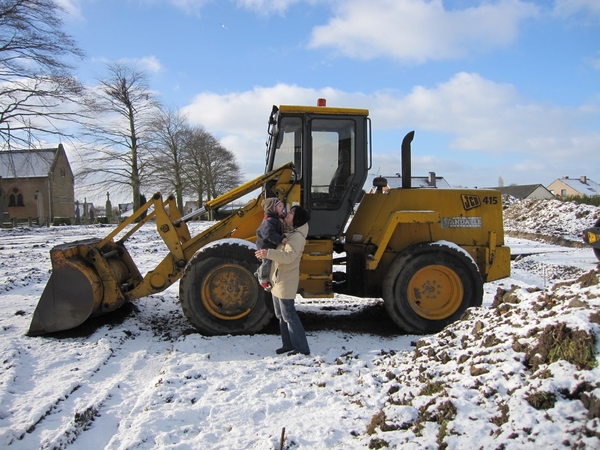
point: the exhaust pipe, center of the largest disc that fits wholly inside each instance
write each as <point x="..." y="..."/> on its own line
<point x="406" y="164"/>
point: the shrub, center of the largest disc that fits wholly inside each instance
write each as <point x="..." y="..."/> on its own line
<point x="580" y="200"/>
<point x="61" y="221"/>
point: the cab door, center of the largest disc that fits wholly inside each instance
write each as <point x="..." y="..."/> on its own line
<point x="335" y="170"/>
<point x="329" y="152"/>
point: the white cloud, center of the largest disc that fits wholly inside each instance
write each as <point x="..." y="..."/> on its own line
<point x="267" y="6"/>
<point x="189" y="6"/>
<point x="594" y="62"/>
<point x="246" y="113"/>
<point x="468" y="113"/>
<point x="71" y="7"/>
<point x="260" y="6"/>
<point x="150" y="63"/>
<point x="264" y="7"/>
<point x="491" y="117"/>
<point x="565" y="8"/>
<point x="420" y="30"/>
<point x="147" y="63"/>
<point x="240" y="118"/>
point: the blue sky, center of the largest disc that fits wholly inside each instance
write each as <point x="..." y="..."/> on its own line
<point x="496" y="88"/>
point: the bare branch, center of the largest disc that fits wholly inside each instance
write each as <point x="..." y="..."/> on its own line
<point x="210" y="169"/>
<point x="37" y="91"/>
<point x="120" y="133"/>
<point x="167" y="158"/>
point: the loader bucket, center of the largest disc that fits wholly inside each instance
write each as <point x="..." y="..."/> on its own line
<point x="85" y="281"/>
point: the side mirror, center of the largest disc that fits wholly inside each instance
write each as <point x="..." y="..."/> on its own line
<point x="273" y="121"/>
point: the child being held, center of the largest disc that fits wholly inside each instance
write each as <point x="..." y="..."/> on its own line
<point x="269" y="235"/>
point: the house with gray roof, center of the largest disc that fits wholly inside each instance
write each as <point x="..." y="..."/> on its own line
<point x="525" y="191"/>
<point x="38" y="184"/>
<point x="582" y="186"/>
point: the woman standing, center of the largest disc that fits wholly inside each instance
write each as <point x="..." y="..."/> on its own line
<point x="285" y="277"/>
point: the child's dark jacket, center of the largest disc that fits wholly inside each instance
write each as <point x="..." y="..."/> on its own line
<point x="270" y="232"/>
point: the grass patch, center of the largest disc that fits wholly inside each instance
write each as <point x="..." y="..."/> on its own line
<point x="559" y="342"/>
<point x="443" y="415"/>
<point x="442" y="432"/>
<point x="432" y="388"/>
<point x="376" y="421"/>
<point x="377" y="443"/>
<point x="502" y="418"/>
<point x="576" y="350"/>
<point x="541" y="400"/>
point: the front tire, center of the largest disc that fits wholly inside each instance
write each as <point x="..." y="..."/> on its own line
<point x="219" y="293"/>
<point x="429" y="286"/>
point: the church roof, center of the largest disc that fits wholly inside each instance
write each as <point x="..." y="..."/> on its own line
<point x="32" y="163"/>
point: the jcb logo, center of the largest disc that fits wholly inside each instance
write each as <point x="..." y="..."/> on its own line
<point x="470" y="201"/>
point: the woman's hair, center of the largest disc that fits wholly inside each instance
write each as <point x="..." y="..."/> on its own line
<point x="301" y="216"/>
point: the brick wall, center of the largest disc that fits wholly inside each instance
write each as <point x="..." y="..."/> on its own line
<point x="27" y="189"/>
<point x="43" y="198"/>
<point x="62" y="185"/>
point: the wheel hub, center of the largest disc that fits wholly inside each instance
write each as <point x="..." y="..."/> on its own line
<point x="229" y="292"/>
<point x="435" y="292"/>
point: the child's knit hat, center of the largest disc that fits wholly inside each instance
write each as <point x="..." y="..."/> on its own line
<point x="270" y="203"/>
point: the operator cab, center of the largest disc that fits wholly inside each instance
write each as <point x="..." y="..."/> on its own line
<point x="328" y="147"/>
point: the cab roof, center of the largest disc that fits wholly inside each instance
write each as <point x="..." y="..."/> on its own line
<point x="322" y="110"/>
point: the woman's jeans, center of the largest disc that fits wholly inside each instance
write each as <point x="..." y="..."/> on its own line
<point x="292" y="331"/>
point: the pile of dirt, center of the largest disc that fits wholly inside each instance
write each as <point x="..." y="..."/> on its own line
<point x="533" y="353"/>
<point x="553" y="221"/>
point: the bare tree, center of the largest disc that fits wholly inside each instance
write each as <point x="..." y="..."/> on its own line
<point x="119" y="136"/>
<point x="222" y="172"/>
<point x="36" y="84"/>
<point x="166" y="164"/>
<point x="210" y="169"/>
<point x="198" y="140"/>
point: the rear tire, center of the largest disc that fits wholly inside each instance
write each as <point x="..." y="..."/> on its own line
<point x="219" y="293"/>
<point x="429" y="286"/>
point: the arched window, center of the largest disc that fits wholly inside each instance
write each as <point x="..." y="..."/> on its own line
<point x="16" y="198"/>
<point x="62" y="172"/>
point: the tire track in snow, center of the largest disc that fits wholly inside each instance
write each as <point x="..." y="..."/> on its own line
<point x="128" y="364"/>
<point x="96" y="415"/>
<point x="25" y="410"/>
<point x="105" y="369"/>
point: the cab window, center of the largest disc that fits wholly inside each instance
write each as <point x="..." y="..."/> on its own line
<point x="288" y="147"/>
<point x="333" y="161"/>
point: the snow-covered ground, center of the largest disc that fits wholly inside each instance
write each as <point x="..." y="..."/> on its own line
<point x="513" y="374"/>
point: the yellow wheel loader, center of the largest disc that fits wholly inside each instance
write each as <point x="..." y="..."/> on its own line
<point x="425" y="251"/>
